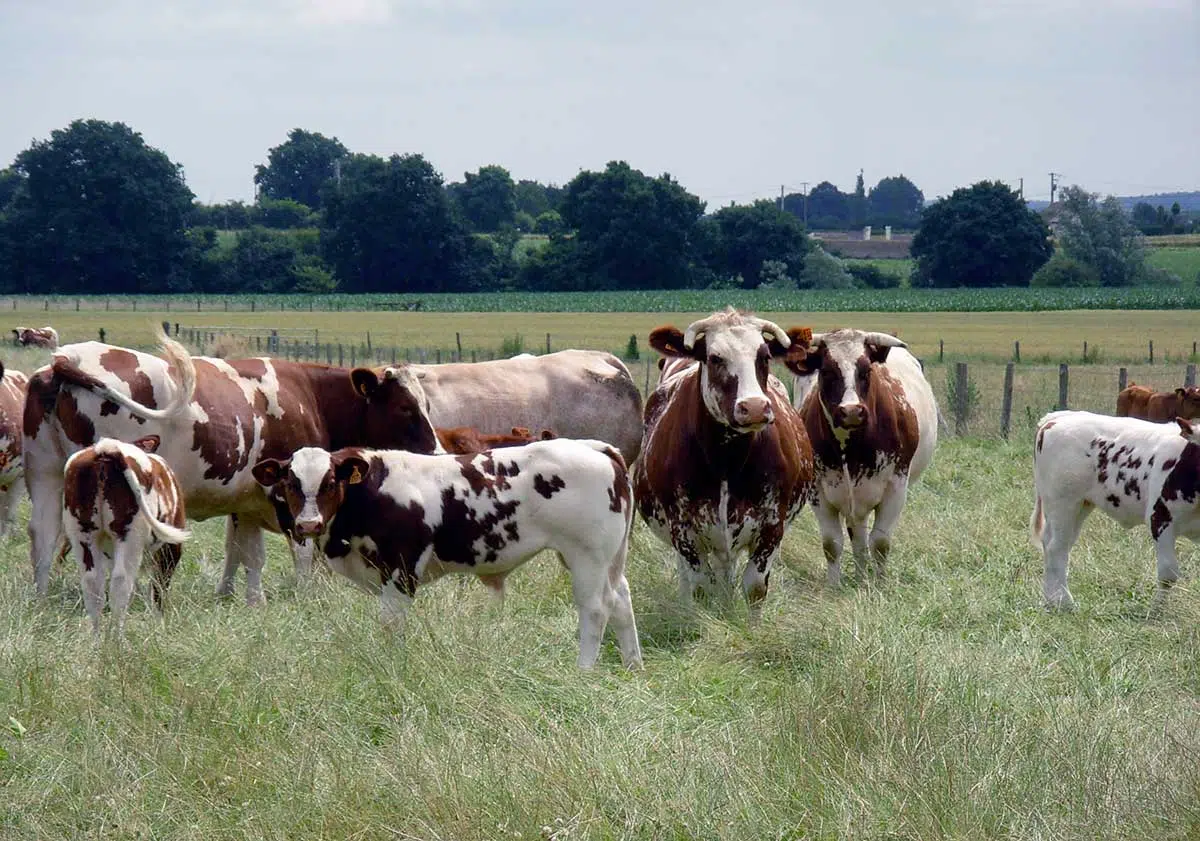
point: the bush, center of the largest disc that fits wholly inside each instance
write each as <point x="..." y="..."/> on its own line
<point x="1154" y="276"/>
<point x="868" y="276"/>
<point x="631" y="347"/>
<point x="1062" y="271"/>
<point x="512" y="345"/>
<point x="550" y="222"/>
<point x="524" y="222"/>
<point x="774" y="275"/>
<point x="822" y="271"/>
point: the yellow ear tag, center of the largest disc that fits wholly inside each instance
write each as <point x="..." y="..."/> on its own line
<point x="355" y="475"/>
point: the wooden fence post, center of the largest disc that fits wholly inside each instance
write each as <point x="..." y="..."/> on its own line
<point x="960" y="398"/>
<point x="472" y="354"/>
<point x="329" y="353"/>
<point x="1085" y="350"/>
<point x="1064" y="374"/>
<point x="1122" y="379"/>
<point x="1152" y="351"/>
<point x="353" y="356"/>
<point x="1016" y="351"/>
<point x="547" y="343"/>
<point x="368" y="342"/>
<point x="1006" y="404"/>
<point x="458" y="342"/>
<point x="437" y="356"/>
<point x="1189" y="376"/>
<point x="341" y="356"/>
<point x="941" y="351"/>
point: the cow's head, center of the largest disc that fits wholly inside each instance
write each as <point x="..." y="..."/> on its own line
<point x="842" y="362"/>
<point x="397" y="411"/>
<point x="734" y="350"/>
<point x="307" y="489"/>
<point x="1189" y="402"/>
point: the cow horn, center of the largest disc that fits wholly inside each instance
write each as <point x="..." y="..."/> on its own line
<point x="880" y="339"/>
<point x="697" y="328"/>
<point x="771" y="330"/>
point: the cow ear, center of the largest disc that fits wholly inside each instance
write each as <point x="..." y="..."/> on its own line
<point x="877" y="353"/>
<point x="1186" y="429"/>
<point x="669" y="342"/>
<point x="548" y="435"/>
<point x="804" y="359"/>
<point x="148" y="443"/>
<point x="365" y="382"/>
<point x="1179" y="392"/>
<point x="269" y="471"/>
<point x="796" y="336"/>
<point x="351" y="469"/>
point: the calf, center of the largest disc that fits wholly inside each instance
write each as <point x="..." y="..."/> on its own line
<point x="1133" y="470"/>
<point x="121" y="500"/>
<point x="12" y="405"/>
<point x="872" y="420"/>
<point x="464" y="440"/>
<point x="390" y="520"/>
<point x="1138" y="401"/>
<point x="46" y="337"/>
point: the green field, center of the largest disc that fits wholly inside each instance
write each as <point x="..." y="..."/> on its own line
<point x="1179" y="260"/>
<point x="944" y="704"/>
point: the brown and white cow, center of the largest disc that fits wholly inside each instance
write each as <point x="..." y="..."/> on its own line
<point x="1138" y="401"/>
<point x="390" y="521"/>
<point x="12" y="405"/>
<point x="1133" y="470"/>
<point x="872" y="420"/>
<point x="726" y="463"/>
<point x="216" y="419"/>
<point x="463" y="440"/>
<point x="46" y="337"/>
<point x="577" y="393"/>
<point x="120" y="502"/>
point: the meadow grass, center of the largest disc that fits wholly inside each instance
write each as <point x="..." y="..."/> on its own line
<point x="943" y="703"/>
<point x="1181" y="260"/>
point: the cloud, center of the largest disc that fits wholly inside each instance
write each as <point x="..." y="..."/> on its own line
<point x="341" y="12"/>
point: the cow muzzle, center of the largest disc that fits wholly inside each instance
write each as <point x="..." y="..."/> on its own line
<point x="309" y="528"/>
<point x="850" y="416"/>
<point x="753" y="413"/>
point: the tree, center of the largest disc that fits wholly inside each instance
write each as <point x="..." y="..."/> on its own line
<point x="748" y="235"/>
<point x="10" y="182"/>
<point x="1099" y="235"/>
<point x="390" y="227"/>
<point x="535" y="199"/>
<point x="982" y="235"/>
<point x="858" y="203"/>
<point x="96" y="210"/>
<point x="486" y="198"/>
<point x="1148" y="218"/>
<point x="631" y="231"/>
<point x="895" y="201"/>
<point x="299" y="168"/>
<point x="828" y="208"/>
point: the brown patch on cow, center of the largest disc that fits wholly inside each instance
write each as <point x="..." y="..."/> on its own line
<point x="1114" y="500"/>
<point x="108" y="407"/>
<point x="548" y="488"/>
<point x="1160" y="518"/>
<point x="1168" y="464"/>
<point x="123" y="365"/>
<point x="41" y="395"/>
<point x="462" y="527"/>
<point x="217" y="442"/>
<point x="253" y="369"/>
<point x="76" y="425"/>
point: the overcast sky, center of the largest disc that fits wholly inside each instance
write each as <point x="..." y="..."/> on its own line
<point x="731" y="98"/>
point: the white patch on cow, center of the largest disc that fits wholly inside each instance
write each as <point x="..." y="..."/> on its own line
<point x="737" y="347"/>
<point x="310" y="466"/>
<point x="268" y="386"/>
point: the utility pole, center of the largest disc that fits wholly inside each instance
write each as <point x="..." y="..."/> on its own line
<point x="1021" y="189"/>
<point x="1054" y="184"/>
<point x="804" y="187"/>
<point x="781" y="197"/>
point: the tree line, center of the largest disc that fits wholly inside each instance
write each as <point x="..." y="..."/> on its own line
<point x="93" y="208"/>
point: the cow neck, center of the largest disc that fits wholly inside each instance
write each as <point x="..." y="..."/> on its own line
<point x="724" y="450"/>
<point x="343" y="410"/>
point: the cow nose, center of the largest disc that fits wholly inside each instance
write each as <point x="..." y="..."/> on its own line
<point x="753" y="411"/>
<point x="308" y="528"/>
<point x="850" y="417"/>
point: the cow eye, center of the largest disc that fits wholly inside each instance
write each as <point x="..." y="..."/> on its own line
<point x="714" y="359"/>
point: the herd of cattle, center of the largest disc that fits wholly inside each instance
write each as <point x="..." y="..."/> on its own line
<point x="401" y="474"/>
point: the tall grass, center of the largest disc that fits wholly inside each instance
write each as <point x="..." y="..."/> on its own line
<point x="944" y="703"/>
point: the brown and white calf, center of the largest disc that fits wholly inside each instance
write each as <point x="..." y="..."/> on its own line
<point x="1138" y="401"/>
<point x="12" y="405"/>
<point x="872" y="419"/>
<point x="46" y="337"/>
<point x="216" y="418"/>
<point x="726" y="463"/>
<point x="120" y="502"/>
<point x="391" y="521"/>
<point x="1135" y="471"/>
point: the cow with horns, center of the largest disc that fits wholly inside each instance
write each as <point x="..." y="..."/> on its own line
<point x="726" y="463"/>
<point x="872" y="420"/>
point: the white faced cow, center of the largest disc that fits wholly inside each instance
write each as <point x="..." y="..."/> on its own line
<point x="872" y="420"/>
<point x="121" y="501"/>
<point x="46" y="337"/>
<point x="216" y="418"/>
<point x="1133" y="470"/>
<point x="12" y="405"/>
<point x="726" y="463"/>
<point x="390" y="521"/>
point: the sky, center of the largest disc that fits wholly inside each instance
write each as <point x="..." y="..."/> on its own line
<point x="733" y="99"/>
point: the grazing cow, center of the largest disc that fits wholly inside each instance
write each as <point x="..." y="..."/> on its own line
<point x="12" y="405"/>
<point x="46" y="337"/>
<point x="726" y="463"/>
<point x="120" y="501"/>
<point x="872" y="420"/>
<point x="1135" y="471"/>
<point x="577" y="393"/>
<point x="1138" y="401"/>
<point x="390" y="521"/>
<point x="216" y="418"/>
<point x="463" y="440"/>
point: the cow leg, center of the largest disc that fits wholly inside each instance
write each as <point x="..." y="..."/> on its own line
<point x="127" y="557"/>
<point x="858" y="542"/>
<point x="829" y="521"/>
<point x="395" y="599"/>
<point x="495" y="585"/>
<point x="8" y="508"/>
<point x="45" y="522"/>
<point x="243" y="545"/>
<point x="1062" y="524"/>
<point x="1168" y="562"/>
<point x="695" y="576"/>
<point x="302" y="558"/>
<point x="887" y="515"/>
<point x="620" y="607"/>
<point x="166" y="559"/>
<point x="589" y="580"/>
<point x="757" y="576"/>
<point x="92" y="580"/>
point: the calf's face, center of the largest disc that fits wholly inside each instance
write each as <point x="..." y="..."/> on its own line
<point x="1189" y="402"/>
<point x="308" y="489"/>
<point x="842" y="362"/>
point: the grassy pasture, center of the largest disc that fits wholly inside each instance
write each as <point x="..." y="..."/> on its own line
<point x="1180" y="260"/>
<point x="943" y="704"/>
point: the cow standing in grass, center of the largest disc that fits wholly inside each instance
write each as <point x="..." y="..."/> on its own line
<point x="1138" y="401"/>
<point x="12" y="405"/>
<point x="872" y="420"/>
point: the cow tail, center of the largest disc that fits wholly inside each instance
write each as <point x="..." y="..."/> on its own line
<point x="165" y="532"/>
<point x="1037" y="520"/>
<point x="65" y="370"/>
